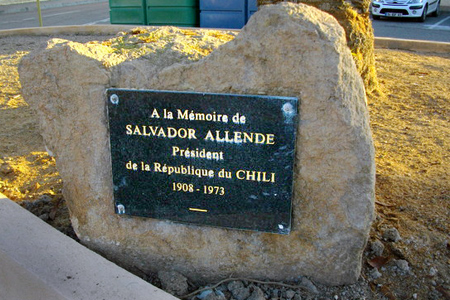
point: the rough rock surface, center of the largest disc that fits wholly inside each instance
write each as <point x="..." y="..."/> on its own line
<point x="173" y="282"/>
<point x="287" y="50"/>
<point x="353" y="15"/>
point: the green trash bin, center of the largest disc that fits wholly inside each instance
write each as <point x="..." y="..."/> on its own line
<point x="173" y="12"/>
<point x="127" y="12"/>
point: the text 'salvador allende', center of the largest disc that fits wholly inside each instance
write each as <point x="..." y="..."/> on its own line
<point x="216" y="136"/>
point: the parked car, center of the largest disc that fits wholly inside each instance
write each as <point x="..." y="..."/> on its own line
<point x="418" y="9"/>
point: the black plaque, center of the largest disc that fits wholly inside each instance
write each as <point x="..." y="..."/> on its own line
<point x="208" y="159"/>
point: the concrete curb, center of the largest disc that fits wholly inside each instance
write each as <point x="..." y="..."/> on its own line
<point x="39" y="262"/>
<point x="76" y="29"/>
<point x="413" y="45"/>
<point x="386" y="43"/>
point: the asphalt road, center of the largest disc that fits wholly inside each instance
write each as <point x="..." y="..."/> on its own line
<point x="433" y="29"/>
<point x="86" y="14"/>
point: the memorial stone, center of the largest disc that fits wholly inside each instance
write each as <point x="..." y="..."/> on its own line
<point x="285" y="50"/>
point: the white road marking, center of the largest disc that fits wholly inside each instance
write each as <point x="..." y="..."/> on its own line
<point x="44" y="16"/>
<point x="9" y="22"/>
<point x="63" y="13"/>
<point x="97" y="22"/>
<point x="438" y="23"/>
<point x="439" y="27"/>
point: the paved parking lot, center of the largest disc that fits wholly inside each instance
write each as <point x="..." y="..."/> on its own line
<point x="434" y="28"/>
<point x="441" y="23"/>
<point x="83" y="14"/>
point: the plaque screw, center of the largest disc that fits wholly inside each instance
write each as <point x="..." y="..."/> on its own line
<point x="114" y="99"/>
<point x="288" y="109"/>
<point x="120" y="209"/>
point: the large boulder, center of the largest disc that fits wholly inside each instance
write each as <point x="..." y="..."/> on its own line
<point x="285" y="50"/>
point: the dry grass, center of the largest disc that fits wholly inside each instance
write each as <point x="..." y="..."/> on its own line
<point x="410" y="122"/>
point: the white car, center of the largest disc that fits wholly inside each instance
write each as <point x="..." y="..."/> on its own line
<point x="418" y="9"/>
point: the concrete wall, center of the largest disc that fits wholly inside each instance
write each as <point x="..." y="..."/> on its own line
<point x="445" y="4"/>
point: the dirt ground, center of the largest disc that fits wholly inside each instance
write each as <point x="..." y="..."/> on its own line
<point x="408" y="256"/>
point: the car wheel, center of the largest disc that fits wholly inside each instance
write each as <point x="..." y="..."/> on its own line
<point x="424" y="14"/>
<point x="437" y="12"/>
<point x="375" y="17"/>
